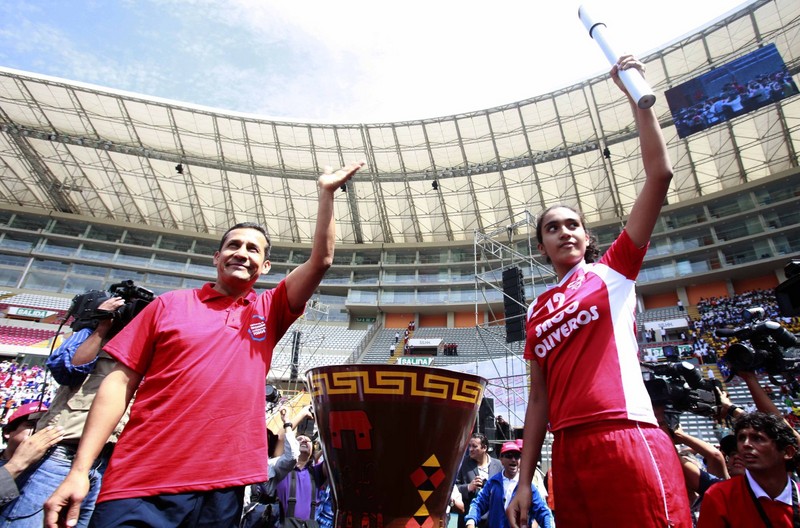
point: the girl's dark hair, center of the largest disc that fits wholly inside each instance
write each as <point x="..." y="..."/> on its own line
<point x="592" y="250"/>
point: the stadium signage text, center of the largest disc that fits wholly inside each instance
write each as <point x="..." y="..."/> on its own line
<point x="415" y="361"/>
<point x="671" y="323"/>
<point x="424" y="343"/>
<point x="29" y="312"/>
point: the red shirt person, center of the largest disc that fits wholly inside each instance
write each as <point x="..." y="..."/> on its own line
<point x="197" y="360"/>
<point x="768" y="447"/>
<point x="586" y="383"/>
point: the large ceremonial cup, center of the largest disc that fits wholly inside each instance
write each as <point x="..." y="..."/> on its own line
<point x="393" y="437"/>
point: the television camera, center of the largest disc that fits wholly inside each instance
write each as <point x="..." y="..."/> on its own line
<point x="771" y="347"/>
<point x="85" y="306"/>
<point x="679" y="387"/>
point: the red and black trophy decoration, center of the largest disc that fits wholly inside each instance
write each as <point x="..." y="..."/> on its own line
<point x="393" y="437"/>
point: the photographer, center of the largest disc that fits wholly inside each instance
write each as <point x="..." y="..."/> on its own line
<point x="263" y="510"/>
<point x="78" y="366"/>
<point x="297" y="491"/>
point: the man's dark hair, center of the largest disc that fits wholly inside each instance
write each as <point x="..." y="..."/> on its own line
<point x="772" y="426"/>
<point x="249" y="225"/>
<point x="592" y="249"/>
<point x="484" y="441"/>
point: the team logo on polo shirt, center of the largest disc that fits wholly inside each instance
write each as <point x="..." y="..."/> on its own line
<point x="258" y="328"/>
<point x="575" y="284"/>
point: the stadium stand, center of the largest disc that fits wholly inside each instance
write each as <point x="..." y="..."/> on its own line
<point x="320" y="345"/>
<point x="471" y="345"/>
<point x="20" y="384"/>
<point x="21" y="336"/>
<point x="42" y="302"/>
<point x="659" y="314"/>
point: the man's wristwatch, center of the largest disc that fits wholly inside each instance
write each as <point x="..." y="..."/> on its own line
<point x="731" y="410"/>
<point x="287" y="424"/>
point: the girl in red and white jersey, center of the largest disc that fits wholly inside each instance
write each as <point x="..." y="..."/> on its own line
<point x="612" y="465"/>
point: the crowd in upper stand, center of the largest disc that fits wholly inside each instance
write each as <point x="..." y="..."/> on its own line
<point x="21" y="384"/>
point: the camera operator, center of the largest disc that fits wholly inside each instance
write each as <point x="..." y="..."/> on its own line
<point x="722" y="463"/>
<point x="78" y="366"/>
<point x="768" y="346"/>
<point x="734" y="459"/>
<point x="760" y="397"/>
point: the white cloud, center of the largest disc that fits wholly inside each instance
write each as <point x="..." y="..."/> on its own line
<point x="388" y="61"/>
<point x="346" y="61"/>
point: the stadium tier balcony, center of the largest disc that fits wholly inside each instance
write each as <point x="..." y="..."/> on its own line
<point x="41" y="302"/>
<point x="473" y="345"/>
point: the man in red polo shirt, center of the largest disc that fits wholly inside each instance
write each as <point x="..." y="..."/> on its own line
<point x="764" y="495"/>
<point x="197" y="361"/>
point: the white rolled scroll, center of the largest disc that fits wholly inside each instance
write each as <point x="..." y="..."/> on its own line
<point x="631" y="78"/>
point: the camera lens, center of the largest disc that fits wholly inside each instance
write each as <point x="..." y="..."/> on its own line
<point x="273" y="394"/>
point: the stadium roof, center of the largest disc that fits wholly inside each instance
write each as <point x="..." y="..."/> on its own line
<point x="97" y="152"/>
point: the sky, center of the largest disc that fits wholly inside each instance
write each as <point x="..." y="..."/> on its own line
<point x="343" y="61"/>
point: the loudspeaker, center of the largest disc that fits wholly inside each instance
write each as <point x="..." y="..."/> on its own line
<point x="514" y="304"/>
<point x="515" y="329"/>
<point x="513" y="291"/>
<point x="486" y="415"/>
<point x="489" y="430"/>
<point x="296" y="335"/>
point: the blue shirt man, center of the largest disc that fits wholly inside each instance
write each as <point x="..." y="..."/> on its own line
<point x="496" y="494"/>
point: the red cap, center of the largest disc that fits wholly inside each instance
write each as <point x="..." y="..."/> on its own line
<point x="510" y="446"/>
<point x="23" y="411"/>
